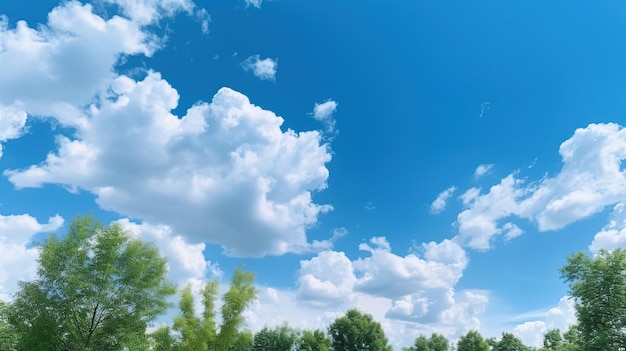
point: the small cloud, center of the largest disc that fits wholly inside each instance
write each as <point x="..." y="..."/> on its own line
<point x="204" y="18"/>
<point x="484" y="107"/>
<point x="255" y="3"/>
<point x="481" y="170"/>
<point x="511" y="231"/>
<point x="324" y="113"/>
<point x="440" y="202"/>
<point x="369" y="206"/>
<point x="216" y="57"/>
<point x="339" y="233"/>
<point x="264" y="69"/>
<point x="322" y="245"/>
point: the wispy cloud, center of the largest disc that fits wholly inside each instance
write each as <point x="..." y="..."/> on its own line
<point x="203" y="16"/>
<point x="264" y="69"/>
<point x="441" y="201"/>
<point x="484" y="107"/>
<point x="481" y="170"/>
<point x="255" y="3"/>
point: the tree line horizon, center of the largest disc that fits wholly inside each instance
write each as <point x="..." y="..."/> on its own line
<point x="101" y="289"/>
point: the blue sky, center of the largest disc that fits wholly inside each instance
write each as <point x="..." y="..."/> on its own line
<point x="311" y="140"/>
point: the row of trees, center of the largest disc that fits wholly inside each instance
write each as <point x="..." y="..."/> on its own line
<point x="99" y="288"/>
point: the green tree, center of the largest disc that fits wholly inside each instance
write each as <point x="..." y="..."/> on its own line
<point x="315" y="340"/>
<point x="436" y="342"/>
<point x="552" y="340"/>
<point x="162" y="340"/>
<point x="598" y="286"/>
<point x="243" y="342"/>
<point x="472" y="341"/>
<point x="193" y="333"/>
<point x="282" y="338"/>
<point x="357" y="332"/>
<point x="238" y="297"/>
<point x="509" y="342"/>
<point x="8" y="334"/>
<point x="98" y="288"/>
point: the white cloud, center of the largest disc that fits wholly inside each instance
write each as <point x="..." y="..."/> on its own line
<point x="478" y="223"/>
<point x="56" y="68"/>
<point x="326" y="280"/>
<point x="264" y="69"/>
<point x="324" y="113"/>
<point x="255" y="3"/>
<point x="511" y="231"/>
<point x="148" y="11"/>
<point x="415" y="290"/>
<point x="186" y="262"/>
<point x="481" y="170"/>
<point x="439" y="204"/>
<point x="591" y="179"/>
<point x="205" y="19"/>
<point x="19" y="258"/>
<point x="224" y="173"/>
<point x="561" y="316"/>
<point x="12" y="124"/>
<point x="613" y="235"/>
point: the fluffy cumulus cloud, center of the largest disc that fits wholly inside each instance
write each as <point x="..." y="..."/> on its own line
<point x="264" y="69"/>
<point x="224" y="173"/>
<point x="561" y="316"/>
<point x="591" y="179"/>
<point x="186" y="262"/>
<point x="439" y="204"/>
<point x="18" y="260"/>
<point x="326" y="280"/>
<point x="415" y="290"/>
<point x="54" y="69"/>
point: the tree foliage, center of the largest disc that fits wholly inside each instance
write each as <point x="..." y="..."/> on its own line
<point x="8" y="334"/>
<point x="96" y="289"/>
<point x="357" y="332"/>
<point x="552" y="340"/>
<point x="281" y="338"/>
<point x="598" y="286"/>
<point x="192" y="333"/>
<point x="316" y="340"/>
<point x="472" y="341"/>
<point x="436" y="342"/>
<point x="509" y="342"/>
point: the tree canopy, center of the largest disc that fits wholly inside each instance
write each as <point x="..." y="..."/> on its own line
<point x="192" y="333"/>
<point x="436" y="342"/>
<point x="357" y="332"/>
<point x="472" y="341"/>
<point x="598" y="286"/>
<point x="97" y="288"/>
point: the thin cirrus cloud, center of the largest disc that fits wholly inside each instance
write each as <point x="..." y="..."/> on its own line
<point x="264" y="69"/>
